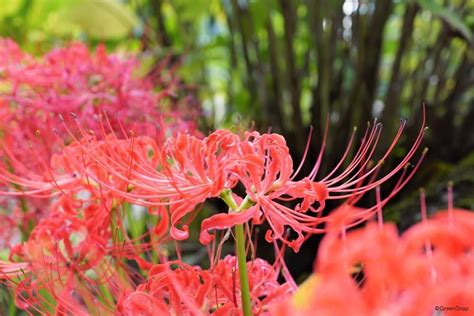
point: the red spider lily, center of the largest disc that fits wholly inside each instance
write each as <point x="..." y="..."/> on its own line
<point x="185" y="171"/>
<point x="265" y="169"/>
<point x="58" y="257"/>
<point x="68" y="256"/>
<point x="187" y="290"/>
<point x="142" y="172"/>
<point x="72" y="79"/>
<point x="429" y="265"/>
<point x="12" y="269"/>
<point x="84" y="257"/>
<point x="9" y="231"/>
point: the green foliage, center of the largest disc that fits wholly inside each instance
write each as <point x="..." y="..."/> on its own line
<point x="35" y="23"/>
<point x="448" y="15"/>
<point x="103" y="20"/>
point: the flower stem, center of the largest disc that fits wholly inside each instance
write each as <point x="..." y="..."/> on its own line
<point x="242" y="262"/>
<point x="226" y="196"/>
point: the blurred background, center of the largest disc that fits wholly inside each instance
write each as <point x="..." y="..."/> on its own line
<point x="290" y="64"/>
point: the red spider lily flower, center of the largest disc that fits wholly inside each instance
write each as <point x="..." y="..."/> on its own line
<point x="73" y="169"/>
<point x="187" y="290"/>
<point x="265" y="169"/>
<point x="185" y="171"/>
<point x="263" y="281"/>
<point x="181" y="173"/>
<point x="9" y="231"/>
<point x="65" y="255"/>
<point x="429" y="265"/>
<point x="12" y="269"/>
<point x="56" y="252"/>
<point x="73" y="79"/>
<point x="12" y="57"/>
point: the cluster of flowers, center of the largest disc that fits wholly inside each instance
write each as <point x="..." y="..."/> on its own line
<point x="35" y="91"/>
<point x="428" y="268"/>
<point x="91" y="254"/>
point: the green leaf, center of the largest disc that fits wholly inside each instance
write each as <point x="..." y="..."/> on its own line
<point x="99" y="19"/>
<point x="9" y="7"/>
<point x="447" y="15"/>
<point x="190" y="10"/>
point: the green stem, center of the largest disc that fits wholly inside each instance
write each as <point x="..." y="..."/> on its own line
<point x="12" y="308"/>
<point x="226" y="196"/>
<point x="243" y="275"/>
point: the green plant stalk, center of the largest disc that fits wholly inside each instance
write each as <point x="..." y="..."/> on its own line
<point x="226" y="196"/>
<point x="12" y="309"/>
<point x="135" y="226"/>
<point x="117" y="234"/>
<point x="108" y="298"/>
<point x="49" y="302"/>
<point x="243" y="274"/>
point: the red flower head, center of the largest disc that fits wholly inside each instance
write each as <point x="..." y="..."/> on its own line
<point x="429" y="265"/>
<point x="74" y="80"/>
<point x="185" y="171"/>
<point x="69" y="257"/>
<point x="177" y="288"/>
<point x="265" y="168"/>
